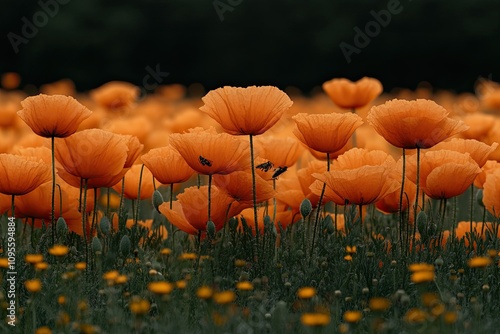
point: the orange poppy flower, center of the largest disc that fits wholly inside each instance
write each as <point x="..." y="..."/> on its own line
<point x="292" y="188"/>
<point x="479" y="126"/>
<point x="60" y="87"/>
<point x="37" y="204"/>
<point x="491" y="193"/>
<point x="189" y="213"/>
<point x="139" y="126"/>
<point x="283" y="217"/>
<point x="304" y="175"/>
<point x="10" y="80"/>
<point x="39" y="153"/>
<point x="478" y="151"/>
<point x="444" y="173"/>
<point x="390" y="203"/>
<point x="238" y="185"/>
<point x="20" y="175"/>
<point x="5" y="203"/>
<point x="106" y="181"/>
<point x="208" y="153"/>
<point x="92" y="153"/>
<point x="134" y="150"/>
<point x="280" y="151"/>
<point x="132" y="178"/>
<point x="478" y="228"/>
<point x="413" y="124"/>
<point x="351" y="95"/>
<point x="167" y="165"/>
<point x="326" y="133"/>
<point x="489" y="167"/>
<point x="53" y="115"/>
<point x="360" y="186"/>
<point x="246" y="111"/>
<point x="360" y="177"/>
<point x="8" y="114"/>
<point x="490" y="100"/>
<point x="115" y="95"/>
<point x="329" y="195"/>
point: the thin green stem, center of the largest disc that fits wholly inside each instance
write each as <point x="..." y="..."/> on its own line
<point x="413" y="239"/>
<point x="441" y="223"/>
<point x="274" y="201"/>
<point x="471" y="206"/>
<point x="52" y="216"/>
<point x="139" y="195"/>
<point x="209" y="196"/>
<point x="318" y="212"/>
<point x="84" y="220"/>
<point x="401" y="196"/>
<point x="254" y="196"/>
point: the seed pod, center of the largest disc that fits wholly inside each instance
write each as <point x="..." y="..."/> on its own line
<point x="125" y="246"/>
<point x="211" y="229"/>
<point x="105" y="225"/>
<point x="96" y="245"/>
<point x="157" y="200"/>
<point x="61" y="226"/>
<point x="305" y="208"/>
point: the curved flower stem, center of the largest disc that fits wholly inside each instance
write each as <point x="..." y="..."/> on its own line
<point x="209" y="195"/>
<point x="401" y="194"/>
<point x="416" y="198"/>
<point x="274" y="201"/>
<point x="471" y="206"/>
<point x="254" y="197"/>
<point x="139" y="195"/>
<point x="84" y="220"/>
<point x="441" y="223"/>
<point x="53" y="194"/>
<point x="319" y="204"/>
<point x="121" y="198"/>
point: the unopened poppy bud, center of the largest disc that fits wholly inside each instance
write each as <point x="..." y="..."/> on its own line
<point x="267" y="223"/>
<point x="479" y="197"/>
<point x="125" y="246"/>
<point x="157" y="200"/>
<point x="305" y="208"/>
<point x="211" y="229"/>
<point x="61" y="226"/>
<point x="328" y="224"/>
<point x="233" y="223"/>
<point x="105" y="225"/>
<point x="439" y="261"/>
<point x="422" y="221"/>
<point x="96" y="245"/>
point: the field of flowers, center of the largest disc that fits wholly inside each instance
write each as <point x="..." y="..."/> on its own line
<point x="249" y="210"/>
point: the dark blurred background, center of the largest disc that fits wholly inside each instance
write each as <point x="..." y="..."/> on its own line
<point x="450" y="44"/>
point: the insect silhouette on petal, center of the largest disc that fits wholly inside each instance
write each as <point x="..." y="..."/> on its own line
<point x="266" y="166"/>
<point x="278" y="171"/>
<point x="205" y="161"/>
